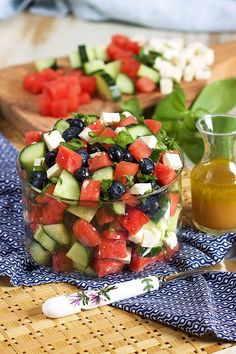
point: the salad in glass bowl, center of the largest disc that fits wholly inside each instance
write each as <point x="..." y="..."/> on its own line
<point x="101" y="194"/>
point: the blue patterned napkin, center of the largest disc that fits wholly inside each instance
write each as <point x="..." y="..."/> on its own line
<point x="198" y="304"/>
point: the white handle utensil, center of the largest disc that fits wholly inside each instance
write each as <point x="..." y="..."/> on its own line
<point x="65" y="305"/>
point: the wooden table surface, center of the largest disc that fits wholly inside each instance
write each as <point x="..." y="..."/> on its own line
<point x="25" y="38"/>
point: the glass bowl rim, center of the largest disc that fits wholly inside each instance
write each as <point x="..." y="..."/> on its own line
<point x="101" y="201"/>
<point x="201" y="130"/>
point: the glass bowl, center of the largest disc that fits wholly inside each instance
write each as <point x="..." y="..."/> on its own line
<point x="101" y="238"/>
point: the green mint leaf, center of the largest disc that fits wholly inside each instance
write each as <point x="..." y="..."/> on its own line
<point x="86" y="118"/>
<point x="155" y="155"/>
<point x="92" y="134"/>
<point x="102" y="140"/>
<point x="216" y="97"/>
<point x="140" y="119"/>
<point x="145" y="178"/>
<point x="123" y="138"/>
<point x="105" y="185"/>
<point x="133" y="106"/>
<point x="130" y="180"/>
<point x="74" y="144"/>
<point x="54" y="180"/>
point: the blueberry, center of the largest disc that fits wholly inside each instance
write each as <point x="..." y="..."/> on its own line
<point x="38" y="179"/>
<point x="71" y="133"/>
<point x="50" y="158"/>
<point x="82" y="174"/>
<point x="127" y="156"/>
<point x="146" y="166"/>
<point x="84" y="154"/>
<point x="116" y="190"/>
<point x="76" y="122"/>
<point x="96" y="147"/>
<point x="116" y="153"/>
<point x="150" y="205"/>
<point x="154" y="184"/>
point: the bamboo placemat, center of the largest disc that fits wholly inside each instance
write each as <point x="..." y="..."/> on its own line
<point x="25" y="330"/>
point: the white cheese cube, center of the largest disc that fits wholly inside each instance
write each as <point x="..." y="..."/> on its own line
<point x="110" y="118"/>
<point x="171" y="239"/>
<point x="171" y="54"/>
<point x="53" y="139"/>
<point x="95" y="154"/>
<point x="151" y="235"/>
<point x="210" y="56"/>
<point x="126" y="114"/>
<point x="140" y="188"/>
<point x="150" y="140"/>
<point x="53" y="171"/>
<point x="203" y="74"/>
<point x="85" y="134"/>
<point x="172" y="160"/>
<point x="39" y="161"/>
<point x="127" y="259"/>
<point x="198" y="61"/>
<point x="175" y="43"/>
<point x="166" y="86"/>
<point x="156" y="44"/>
<point x="137" y="238"/>
<point x="188" y="73"/>
<point x="119" y="129"/>
<point x="176" y="74"/>
<point x="166" y="69"/>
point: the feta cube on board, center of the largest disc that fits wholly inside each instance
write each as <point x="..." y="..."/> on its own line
<point x="172" y="160"/>
<point x="202" y="74"/>
<point x="53" y="139"/>
<point x="166" y="86"/>
<point x="150" y="140"/>
<point x="188" y="73"/>
<point x="110" y="118"/>
<point x="140" y="188"/>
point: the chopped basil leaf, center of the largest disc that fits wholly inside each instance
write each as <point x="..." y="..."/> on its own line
<point x="105" y="185"/>
<point x="155" y="155"/>
<point x="54" y="180"/>
<point x="74" y="144"/>
<point x="145" y="178"/>
<point x="130" y="180"/>
<point x="123" y="139"/>
<point x="102" y="140"/>
<point x="92" y="134"/>
<point x="86" y="118"/>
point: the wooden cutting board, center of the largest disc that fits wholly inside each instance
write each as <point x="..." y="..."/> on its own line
<point x="21" y="108"/>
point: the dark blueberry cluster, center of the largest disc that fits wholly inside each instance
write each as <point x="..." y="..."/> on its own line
<point x="38" y="179"/>
<point x="70" y="133"/>
<point x="116" y="153"/>
<point x="150" y="205"/>
<point x="76" y="122"/>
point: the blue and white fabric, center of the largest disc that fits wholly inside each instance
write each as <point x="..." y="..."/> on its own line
<point x="199" y="304"/>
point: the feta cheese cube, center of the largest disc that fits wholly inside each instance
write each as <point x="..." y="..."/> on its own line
<point x="126" y="114"/>
<point x="127" y="259"/>
<point x="198" y="61"/>
<point x="151" y="236"/>
<point x="39" y="161"/>
<point x="85" y="134"/>
<point x="140" y="38"/>
<point x="176" y="74"/>
<point x="119" y="129"/>
<point x="210" y="56"/>
<point x="171" y="239"/>
<point x="156" y="44"/>
<point x="175" y="43"/>
<point x="140" y="188"/>
<point x="99" y="153"/>
<point x="137" y="238"/>
<point x="150" y="140"/>
<point x="171" y="54"/>
<point x="172" y="160"/>
<point x="53" y="171"/>
<point x="203" y="74"/>
<point x="188" y="73"/>
<point x="166" y="86"/>
<point x="53" y="139"/>
<point x="110" y="118"/>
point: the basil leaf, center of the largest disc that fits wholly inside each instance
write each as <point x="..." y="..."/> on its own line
<point x="86" y="118"/>
<point x="194" y="149"/>
<point x="133" y="106"/>
<point x="155" y="155"/>
<point x="74" y="144"/>
<point x="130" y="180"/>
<point x="172" y="106"/>
<point x="105" y="185"/>
<point x="102" y="140"/>
<point x="123" y="138"/>
<point x="217" y="97"/>
<point x="145" y="178"/>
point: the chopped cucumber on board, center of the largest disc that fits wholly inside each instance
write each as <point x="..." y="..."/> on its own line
<point x="42" y="64"/>
<point x="107" y="87"/>
<point x="113" y="68"/>
<point x="86" y="53"/>
<point x="75" y="60"/>
<point x="125" y="84"/>
<point x="30" y="153"/>
<point x="145" y="71"/>
<point x="100" y="52"/>
<point x="94" y="66"/>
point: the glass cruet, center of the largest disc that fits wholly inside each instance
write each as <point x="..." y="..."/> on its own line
<point x="213" y="179"/>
